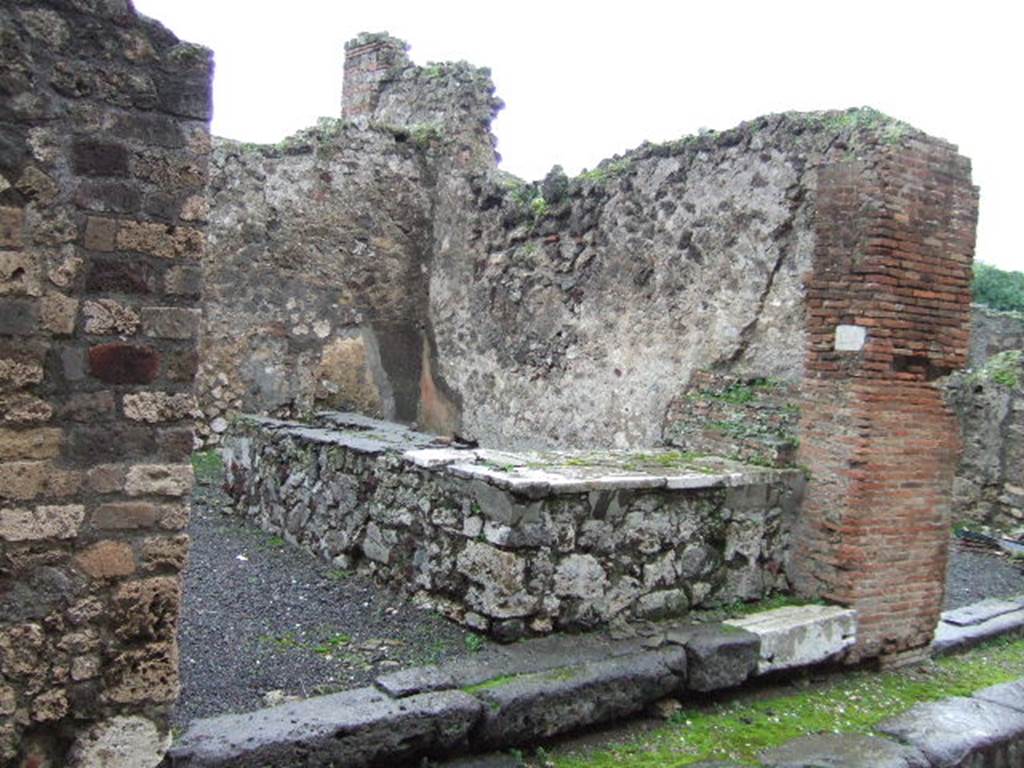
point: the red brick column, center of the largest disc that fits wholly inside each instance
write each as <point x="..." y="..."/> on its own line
<point x="369" y="60"/>
<point x="888" y="312"/>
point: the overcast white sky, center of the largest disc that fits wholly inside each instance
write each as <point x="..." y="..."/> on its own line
<point x="584" y="80"/>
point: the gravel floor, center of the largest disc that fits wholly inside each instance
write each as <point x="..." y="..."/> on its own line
<point x="262" y="617"/>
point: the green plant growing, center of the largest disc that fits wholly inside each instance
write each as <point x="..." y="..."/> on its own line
<point x="332" y="644"/>
<point x="474" y="643"/>
<point x="997" y="288"/>
<point x="539" y="207"/>
<point x="1005" y="368"/>
<point x="208" y="466"/>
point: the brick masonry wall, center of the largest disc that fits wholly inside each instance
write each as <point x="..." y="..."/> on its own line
<point x="103" y="145"/>
<point x="895" y="238"/>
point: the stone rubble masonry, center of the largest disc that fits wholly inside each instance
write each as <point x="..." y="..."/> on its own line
<point x="894" y="226"/>
<point x="517" y="544"/>
<point x="103" y="154"/>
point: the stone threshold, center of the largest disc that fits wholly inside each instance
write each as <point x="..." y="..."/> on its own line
<point x="529" y="474"/>
<point x="966" y="627"/>
<point x="517" y="694"/>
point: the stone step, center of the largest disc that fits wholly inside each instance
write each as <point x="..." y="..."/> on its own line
<point x="800" y="636"/>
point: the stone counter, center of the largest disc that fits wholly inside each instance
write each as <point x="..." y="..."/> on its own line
<point x="518" y="543"/>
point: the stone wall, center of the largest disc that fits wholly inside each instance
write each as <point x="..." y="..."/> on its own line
<point x="993" y="332"/>
<point x="563" y="312"/>
<point x="103" y="144"/>
<point x="888" y="313"/>
<point x="519" y="543"/>
<point x="989" y="486"/>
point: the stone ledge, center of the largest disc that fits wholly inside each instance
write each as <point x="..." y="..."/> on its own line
<point x="966" y="627"/>
<point x="798" y="636"/>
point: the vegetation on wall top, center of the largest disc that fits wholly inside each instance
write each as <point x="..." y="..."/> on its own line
<point x="998" y="288"/>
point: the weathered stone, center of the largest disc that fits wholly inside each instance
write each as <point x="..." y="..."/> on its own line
<point x="108" y="317"/>
<point x="11" y="222"/>
<point x="950" y="731"/>
<point x="100" y="233"/>
<point x="58" y="313"/>
<point x="18" y="317"/>
<point x="580" y="576"/>
<point x="126" y="515"/>
<point x="23" y="408"/>
<point x="146" y="674"/>
<point x="43" y="522"/>
<point x="159" y="480"/>
<point x="120" y="363"/>
<point x="1009" y="695"/>
<point x="407" y="682"/>
<point x="88" y="406"/>
<point x="146" y="609"/>
<point x="120" y="742"/>
<point x="106" y="478"/>
<point x="170" y="322"/>
<point x="119" y="275"/>
<point x="15" y="374"/>
<point x="164" y="553"/>
<point x="50" y="705"/>
<point x="19" y="274"/>
<point x="717" y="657"/>
<point x="155" y="407"/>
<point x="357" y="728"/>
<point x="24" y="480"/>
<point x="799" y="636"/>
<point x="980" y="612"/>
<point x="35" y="443"/>
<point x="532" y="707"/>
<point x="851" y="750"/>
<point x="96" y="158"/>
<point x="159" y="240"/>
<point x="107" y="560"/>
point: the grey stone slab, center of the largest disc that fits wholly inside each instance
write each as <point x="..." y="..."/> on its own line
<point x="482" y="761"/>
<point x="1009" y="695"/>
<point x="800" y="636"/>
<point x="949" y="637"/>
<point x="356" y="728"/>
<point x="843" y="750"/>
<point x="717" y="656"/>
<point x="407" y="682"/>
<point x="952" y="731"/>
<point x="544" y="704"/>
<point x="977" y="613"/>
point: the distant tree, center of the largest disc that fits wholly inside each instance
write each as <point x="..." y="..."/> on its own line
<point x="998" y="288"/>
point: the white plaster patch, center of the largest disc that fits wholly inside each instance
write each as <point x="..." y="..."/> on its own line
<point x="850" y="338"/>
<point x="121" y="742"/>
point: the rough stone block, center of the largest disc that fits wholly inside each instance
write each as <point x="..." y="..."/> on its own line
<point x="19" y="274"/>
<point x="159" y="480"/>
<point x="951" y="731"/>
<point x="143" y="675"/>
<point x="121" y="275"/>
<point x="156" y="407"/>
<point x="106" y="478"/>
<point x="949" y="637"/>
<point x="101" y="233"/>
<point x="407" y="682"/>
<point x="11" y="222"/>
<point x="44" y="522"/>
<point x="1008" y="694"/>
<point x="357" y="728"/>
<point x="15" y="374"/>
<point x="126" y="515"/>
<point x="121" y="363"/>
<point x="106" y="560"/>
<point x="57" y="313"/>
<point x="164" y="553"/>
<point x="170" y="322"/>
<point x="799" y="636"/>
<point x="120" y="742"/>
<point x="22" y="408"/>
<point x="106" y="317"/>
<point x="160" y="240"/>
<point x="843" y="750"/>
<point x="36" y="443"/>
<point x="146" y="609"/>
<point x="18" y="317"/>
<point x="88" y="407"/>
<point x="536" y="706"/>
<point x="108" y="197"/>
<point x="97" y="158"/>
<point x="717" y="657"/>
<point x="183" y="281"/>
<point x="980" y="612"/>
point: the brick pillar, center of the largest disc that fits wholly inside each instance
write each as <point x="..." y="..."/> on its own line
<point x="370" y="60"/>
<point x="888" y="312"/>
<point x="103" y="128"/>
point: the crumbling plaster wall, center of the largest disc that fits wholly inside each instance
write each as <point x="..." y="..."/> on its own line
<point x="103" y="145"/>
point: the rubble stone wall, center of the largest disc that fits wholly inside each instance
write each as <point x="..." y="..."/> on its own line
<point x="103" y="146"/>
<point x="993" y="332"/>
<point x="487" y="537"/>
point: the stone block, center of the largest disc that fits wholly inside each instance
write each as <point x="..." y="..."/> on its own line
<point x="126" y="515"/>
<point x="949" y="637"/>
<point x="717" y="657"/>
<point x="843" y="750"/>
<point x="357" y="729"/>
<point x="183" y="281"/>
<point x="36" y="443"/>
<point x="107" y="560"/>
<point x="98" y="158"/>
<point x="1009" y="695"/>
<point x="120" y="742"/>
<point x="88" y="407"/>
<point x="110" y="442"/>
<point x="956" y="730"/>
<point x="120" y="275"/>
<point x="159" y="480"/>
<point x="156" y="407"/>
<point x="19" y="274"/>
<point x="980" y="612"/>
<point x="407" y="682"/>
<point x="11" y="222"/>
<point x="164" y="553"/>
<point x="160" y="240"/>
<point x="58" y="313"/>
<point x="15" y="374"/>
<point x="101" y="233"/>
<point x="800" y="636"/>
<point x="106" y="478"/>
<point x="532" y="707"/>
<point x="170" y="322"/>
<point x="146" y="609"/>
<point x="18" y="317"/>
<point x="43" y="522"/>
<point x="121" y="363"/>
<point x="108" y="197"/>
<point x="23" y="408"/>
<point x="143" y="675"/>
<point x="106" y="317"/>
<point x="23" y="480"/>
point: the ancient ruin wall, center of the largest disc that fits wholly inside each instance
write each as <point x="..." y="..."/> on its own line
<point x="993" y="332"/>
<point x="103" y="143"/>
